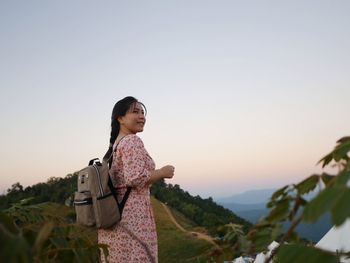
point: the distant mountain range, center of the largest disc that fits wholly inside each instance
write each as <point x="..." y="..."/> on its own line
<point x="248" y="197"/>
<point x="251" y="205"/>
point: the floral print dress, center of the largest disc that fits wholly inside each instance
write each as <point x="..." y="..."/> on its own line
<point x="134" y="239"/>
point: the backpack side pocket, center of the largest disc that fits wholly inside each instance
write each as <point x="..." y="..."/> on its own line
<point x="84" y="208"/>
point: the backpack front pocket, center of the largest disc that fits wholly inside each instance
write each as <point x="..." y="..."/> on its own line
<point x="106" y="211"/>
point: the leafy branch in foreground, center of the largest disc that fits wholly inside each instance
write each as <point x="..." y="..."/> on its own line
<point x="28" y="234"/>
<point x="289" y="204"/>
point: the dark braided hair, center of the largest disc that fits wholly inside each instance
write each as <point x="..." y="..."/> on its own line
<point x="119" y="110"/>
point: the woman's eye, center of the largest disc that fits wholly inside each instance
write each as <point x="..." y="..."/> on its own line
<point x="137" y="111"/>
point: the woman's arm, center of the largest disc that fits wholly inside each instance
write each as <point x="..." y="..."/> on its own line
<point x="164" y="172"/>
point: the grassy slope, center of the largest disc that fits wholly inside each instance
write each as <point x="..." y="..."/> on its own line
<point x="186" y="223"/>
<point x="173" y="245"/>
<point x="67" y="213"/>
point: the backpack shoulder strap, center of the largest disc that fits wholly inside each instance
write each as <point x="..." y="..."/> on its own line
<point x="125" y="197"/>
<point x="115" y="194"/>
<point x="108" y="158"/>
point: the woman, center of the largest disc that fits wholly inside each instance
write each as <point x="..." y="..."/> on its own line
<point x="134" y="239"/>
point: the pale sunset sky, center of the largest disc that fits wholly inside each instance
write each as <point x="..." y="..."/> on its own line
<point x="240" y="94"/>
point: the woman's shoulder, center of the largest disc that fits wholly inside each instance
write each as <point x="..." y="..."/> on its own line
<point x="130" y="139"/>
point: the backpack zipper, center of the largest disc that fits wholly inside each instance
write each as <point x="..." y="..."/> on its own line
<point x="87" y="201"/>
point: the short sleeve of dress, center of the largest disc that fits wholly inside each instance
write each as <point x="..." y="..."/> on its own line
<point x="134" y="159"/>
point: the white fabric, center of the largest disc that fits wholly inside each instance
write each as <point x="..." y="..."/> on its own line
<point x="239" y="260"/>
<point x="337" y="238"/>
<point x="260" y="258"/>
<point x="272" y="246"/>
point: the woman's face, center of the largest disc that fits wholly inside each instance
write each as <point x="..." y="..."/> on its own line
<point x="134" y="119"/>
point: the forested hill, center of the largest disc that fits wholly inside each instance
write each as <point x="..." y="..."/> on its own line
<point x="56" y="190"/>
<point x="204" y="212"/>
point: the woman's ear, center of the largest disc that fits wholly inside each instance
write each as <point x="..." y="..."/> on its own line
<point x="120" y="119"/>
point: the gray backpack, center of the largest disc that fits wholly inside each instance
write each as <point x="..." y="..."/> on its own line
<point x="96" y="202"/>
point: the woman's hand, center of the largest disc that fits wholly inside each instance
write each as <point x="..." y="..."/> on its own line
<point x="167" y="171"/>
<point x="164" y="172"/>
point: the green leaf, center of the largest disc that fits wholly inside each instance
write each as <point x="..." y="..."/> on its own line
<point x="26" y="201"/>
<point x="244" y="243"/>
<point x="279" y="192"/>
<point x="344" y="139"/>
<point x="43" y="235"/>
<point x="14" y="249"/>
<point x="341" y="209"/>
<point x="271" y="204"/>
<point x="308" y="184"/>
<point x="326" y="160"/>
<point x="342" y="179"/>
<point x="261" y="239"/>
<point x="341" y="151"/>
<point x="105" y="250"/>
<point x="327" y="179"/>
<point x="296" y="253"/>
<point x="276" y="231"/>
<point x="59" y="242"/>
<point x="280" y="212"/>
<point x="262" y="223"/>
<point x="293" y="237"/>
<point x="79" y="255"/>
<point x="7" y="223"/>
<point x="322" y="203"/>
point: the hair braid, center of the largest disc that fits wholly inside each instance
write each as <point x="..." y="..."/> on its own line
<point x="115" y="127"/>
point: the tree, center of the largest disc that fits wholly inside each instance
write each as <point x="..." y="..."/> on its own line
<point x="288" y="204"/>
<point x="16" y="187"/>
